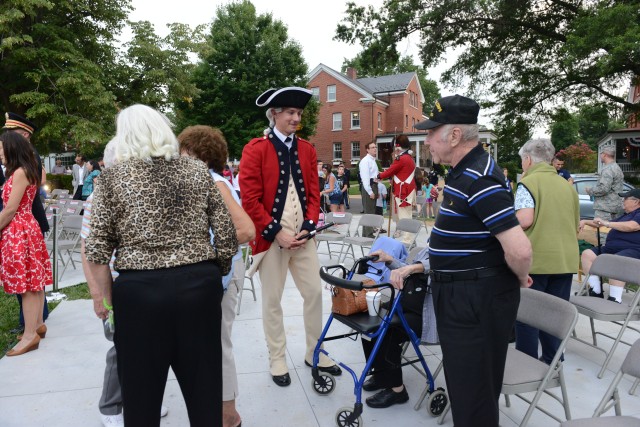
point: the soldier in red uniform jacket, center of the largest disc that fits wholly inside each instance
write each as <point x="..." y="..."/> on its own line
<point x="280" y="193"/>
<point x="404" y="184"/>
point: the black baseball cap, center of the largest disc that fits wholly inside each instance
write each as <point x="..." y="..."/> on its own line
<point x="455" y="110"/>
<point x="631" y="193"/>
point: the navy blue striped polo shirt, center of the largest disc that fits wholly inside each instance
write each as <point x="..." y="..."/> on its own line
<point x="476" y="206"/>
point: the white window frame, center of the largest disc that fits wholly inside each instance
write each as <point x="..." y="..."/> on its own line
<point x="379" y="120"/>
<point x="331" y="95"/>
<point x="335" y="151"/>
<point x="355" y="150"/>
<point x="337" y="124"/>
<point x="316" y="93"/>
<point x="357" y="114"/>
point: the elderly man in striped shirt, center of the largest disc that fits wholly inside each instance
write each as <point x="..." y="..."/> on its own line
<point x="479" y="258"/>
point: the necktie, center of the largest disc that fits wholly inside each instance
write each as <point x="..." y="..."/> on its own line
<point x="287" y="139"/>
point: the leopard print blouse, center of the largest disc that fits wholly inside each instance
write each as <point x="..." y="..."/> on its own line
<point x="157" y="214"/>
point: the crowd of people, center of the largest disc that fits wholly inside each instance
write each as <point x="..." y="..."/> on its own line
<point x="164" y="266"/>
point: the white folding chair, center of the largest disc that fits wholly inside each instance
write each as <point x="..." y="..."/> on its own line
<point x="611" y="398"/>
<point x="615" y="267"/>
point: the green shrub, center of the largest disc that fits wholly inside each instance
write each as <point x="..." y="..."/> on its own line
<point x="60" y="181"/>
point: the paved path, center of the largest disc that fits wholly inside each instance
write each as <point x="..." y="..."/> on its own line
<point x="60" y="384"/>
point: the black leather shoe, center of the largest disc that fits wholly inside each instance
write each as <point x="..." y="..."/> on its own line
<point x="371" y="384"/>
<point x="614" y="300"/>
<point x="386" y="398"/>
<point x="281" y="380"/>
<point x="592" y="293"/>
<point x="333" y="370"/>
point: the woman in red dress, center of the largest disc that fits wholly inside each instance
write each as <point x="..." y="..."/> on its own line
<point x="25" y="267"/>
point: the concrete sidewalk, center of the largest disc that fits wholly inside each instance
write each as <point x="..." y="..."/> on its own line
<point x="60" y="384"/>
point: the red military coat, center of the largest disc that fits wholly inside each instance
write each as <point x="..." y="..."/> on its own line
<point x="403" y="168"/>
<point x="266" y="164"/>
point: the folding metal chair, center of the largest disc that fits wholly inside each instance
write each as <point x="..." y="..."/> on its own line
<point x="408" y="225"/>
<point x="523" y="373"/>
<point x="615" y="267"/>
<point x="421" y="202"/>
<point x="366" y="220"/>
<point x="68" y="241"/>
<point x="336" y="237"/>
<point x="246" y="259"/>
<point x="611" y="398"/>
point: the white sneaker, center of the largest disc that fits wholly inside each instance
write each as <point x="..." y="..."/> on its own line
<point x="112" y="420"/>
<point x="164" y="411"/>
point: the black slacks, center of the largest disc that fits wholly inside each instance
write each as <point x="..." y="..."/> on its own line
<point x="169" y="318"/>
<point x="474" y="321"/>
<point x="386" y="365"/>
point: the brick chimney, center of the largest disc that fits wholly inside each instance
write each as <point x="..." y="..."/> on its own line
<point x="351" y="73"/>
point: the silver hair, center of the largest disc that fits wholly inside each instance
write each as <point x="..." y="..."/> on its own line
<point x="541" y="150"/>
<point x="272" y="120"/>
<point x="109" y="156"/>
<point x="143" y="133"/>
<point x="467" y="132"/>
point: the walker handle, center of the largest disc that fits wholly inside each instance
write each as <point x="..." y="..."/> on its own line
<point x="340" y="282"/>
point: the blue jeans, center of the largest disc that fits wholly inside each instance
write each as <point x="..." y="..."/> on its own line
<point x="527" y="337"/>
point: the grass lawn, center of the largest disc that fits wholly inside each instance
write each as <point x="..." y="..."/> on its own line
<point x="9" y="313"/>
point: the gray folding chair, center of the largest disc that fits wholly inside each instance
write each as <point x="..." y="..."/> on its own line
<point x="523" y="373"/>
<point x="67" y="241"/>
<point x="615" y="267"/>
<point x="611" y="398"/>
<point x="421" y="202"/>
<point x="246" y="260"/>
<point x="366" y="220"/>
<point x="412" y="226"/>
<point x="335" y="237"/>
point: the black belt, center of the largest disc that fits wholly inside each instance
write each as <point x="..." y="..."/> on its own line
<point x="456" y="276"/>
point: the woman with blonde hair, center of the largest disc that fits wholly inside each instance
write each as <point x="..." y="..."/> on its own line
<point x="156" y="210"/>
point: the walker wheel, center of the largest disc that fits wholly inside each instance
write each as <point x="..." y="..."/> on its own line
<point x="324" y="385"/>
<point x="342" y="416"/>
<point x="437" y="402"/>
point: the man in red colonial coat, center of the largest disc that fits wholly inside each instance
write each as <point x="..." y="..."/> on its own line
<point x="404" y="184"/>
<point x="280" y="193"/>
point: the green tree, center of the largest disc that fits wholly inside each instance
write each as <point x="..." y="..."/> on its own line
<point x="247" y="54"/>
<point x="371" y="68"/>
<point x="526" y="55"/>
<point x="510" y="136"/>
<point x="565" y="129"/>
<point x="54" y="57"/>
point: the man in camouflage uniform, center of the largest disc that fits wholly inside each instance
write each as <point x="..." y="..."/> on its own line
<point x="607" y="203"/>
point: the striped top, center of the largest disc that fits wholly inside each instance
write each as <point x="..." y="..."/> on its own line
<point x="476" y="206"/>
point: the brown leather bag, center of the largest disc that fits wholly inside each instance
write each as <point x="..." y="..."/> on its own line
<point x="346" y="302"/>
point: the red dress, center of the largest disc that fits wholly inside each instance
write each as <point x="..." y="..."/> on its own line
<point x="24" y="260"/>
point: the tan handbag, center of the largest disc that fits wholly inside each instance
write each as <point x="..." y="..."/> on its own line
<point x="346" y="302"/>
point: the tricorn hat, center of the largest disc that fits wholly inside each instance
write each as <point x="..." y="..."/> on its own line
<point x="296" y="97"/>
<point x="16" y="121"/>
<point x="455" y="110"/>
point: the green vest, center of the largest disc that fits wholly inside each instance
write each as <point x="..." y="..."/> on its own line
<point x="553" y="233"/>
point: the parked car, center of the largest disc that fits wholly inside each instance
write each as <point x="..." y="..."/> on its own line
<point x="583" y="181"/>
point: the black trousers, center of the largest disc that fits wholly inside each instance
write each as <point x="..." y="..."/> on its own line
<point x="78" y="194"/>
<point x="474" y="321"/>
<point x="386" y="365"/>
<point x="169" y="318"/>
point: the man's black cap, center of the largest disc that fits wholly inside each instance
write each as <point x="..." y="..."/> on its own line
<point x="454" y="110"/>
<point x="16" y="121"/>
<point x="296" y="97"/>
<point x="631" y="193"/>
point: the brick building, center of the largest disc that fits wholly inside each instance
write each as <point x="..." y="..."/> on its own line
<point x="356" y="111"/>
